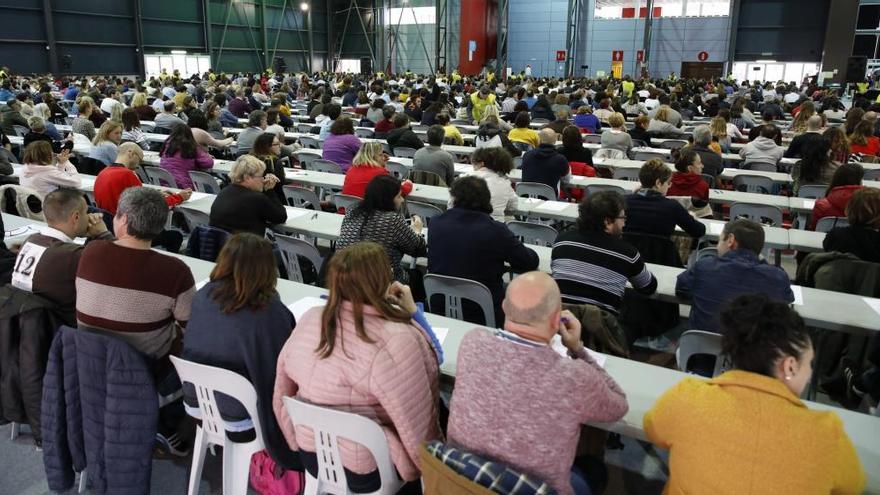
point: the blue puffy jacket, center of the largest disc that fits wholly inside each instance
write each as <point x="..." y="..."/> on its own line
<point x="100" y="411"/>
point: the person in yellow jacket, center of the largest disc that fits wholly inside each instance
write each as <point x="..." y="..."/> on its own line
<point x="747" y="431"/>
<point x="627" y="85"/>
<point x="490" y="76"/>
<point x="862" y="87"/>
<point x="456" y="76"/>
<point x="480" y="100"/>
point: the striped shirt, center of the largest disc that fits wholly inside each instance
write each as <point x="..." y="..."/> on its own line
<point x="594" y="267"/>
<point x="137" y="295"/>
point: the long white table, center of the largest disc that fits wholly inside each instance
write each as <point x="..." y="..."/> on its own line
<point x="643" y="383"/>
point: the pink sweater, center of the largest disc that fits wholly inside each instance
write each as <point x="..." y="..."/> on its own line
<point x="524" y="404"/>
<point x="393" y="381"/>
<point x="46" y="178"/>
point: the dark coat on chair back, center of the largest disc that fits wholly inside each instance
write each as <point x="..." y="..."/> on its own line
<point x="640" y="316"/>
<point x="27" y="325"/>
<point x="108" y="426"/>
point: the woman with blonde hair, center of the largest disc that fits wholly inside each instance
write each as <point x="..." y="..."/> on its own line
<point x="144" y="111"/>
<point x="490" y="114"/>
<point x="249" y="203"/>
<point x="106" y="142"/>
<point x="82" y="124"/>
<point x="368" y="163"/>
<point x="720" y="139"/>
<point x="369" y="332"/>
<point x="617" y="138"/>
<point x="807" y="110"/>
<point x="660" y="125"/>
<point x="839" y="144"/>
<point x="44" y="171"/>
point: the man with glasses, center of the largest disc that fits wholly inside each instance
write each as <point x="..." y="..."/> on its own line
<point x="592" y="264"/>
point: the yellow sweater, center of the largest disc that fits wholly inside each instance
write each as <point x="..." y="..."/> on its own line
<point x="524" y="135"/>
<point x="452" y="133"/>
<point x="746" y="434"/>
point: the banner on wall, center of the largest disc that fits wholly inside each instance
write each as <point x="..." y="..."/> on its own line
<point x="617" y="69"/>
<point x="560" y="55"/>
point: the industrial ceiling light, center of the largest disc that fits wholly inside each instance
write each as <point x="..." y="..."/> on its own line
<point x="304" y="6"/>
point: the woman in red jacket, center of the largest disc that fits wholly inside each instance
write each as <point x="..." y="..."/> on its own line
<point x="863" y="141"/>
<point x="846" y="181"/>
<point x="688" y="179"/>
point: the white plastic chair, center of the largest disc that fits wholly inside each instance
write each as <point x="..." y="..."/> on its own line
<point x="696" y="342"/>
<point x="623" y="173"/>
<point x="404" y="152"/>
<point x="301" y="197"/>
<point x="592" y="138"/>
<point x="310" y="142"/>
<point x="454" y="290"/>
<point x="208" y="380"/>
<point x="533" y="233"/>
<point x="204" y="182"/>
<point x="194" y="218"/>
<point x="756" y="212"/>
<point x="760" y="166"/>
<point x="326" y="166"/>
<point x="825" y="224"/>
<point x="397" y="170"/>
<point x="291" y="250"/>
<point x="753" y="183"/>
<point x="596" y="188"/>
<point x="424" y="210"/>
<point x="160" y="177"/>
<point x="812" y="191"/>
<point x="535" y="190"/>
<point x="346" y="201"/>
<point x="329" y="425"/>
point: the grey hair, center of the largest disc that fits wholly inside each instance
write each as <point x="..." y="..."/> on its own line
<point x="246" y="166"/>
<point x="702" y="136"/>
<point x="36" y="123"/>
<point x="255" y="117"/>
<point x="145" y="210"/>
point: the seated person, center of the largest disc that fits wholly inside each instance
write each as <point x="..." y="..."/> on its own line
<point x="862" y="236"/>
<point x="591" y="263"/>
<point x="52" y="274"/>
<point x="119" y="176"/>
<point x="750" y="417"/>
<point x="649" y="211"/>
<point x="586" y="121"/>
<point x="341" y="144"/>
<point x="492" y="165"/>
<point x="432" y="158"/>
<point x="513" y="389"/>
<point x="402" y="135"/>
<point x="239" y="323"/>
<point x="711" y="160"/>
<point x="763" y="149"/>
<point x="466" y="242"/>
<point x="545" y="164"/>
<point x="523" y="132"/>
<point x="145" y="314"/>
<point x="249" y="203"/>
<point x="451" y="133"/>
<point x="846" y="181"/>
<point x="640" y="130"/>
<point x="387" y="369"/>
<point x="377" y="218"/>
<point x="181" y="154"/>
<point x="384" y="126"/>
<point x="44" y="171"/>
<point x="862" y="139"/>
<point x="688" y="177"/>
<point x="797" y="145"/>
<point x="714" y="281"/>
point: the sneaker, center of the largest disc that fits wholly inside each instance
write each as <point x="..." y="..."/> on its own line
<point x="172" y="444"/>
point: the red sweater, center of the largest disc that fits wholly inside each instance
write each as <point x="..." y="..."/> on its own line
<point x="115" y="179"/>
<point x="833" y="204"/>
<point x="688" y="184"/>
<point x="871" y="148"/>
<point x="357" y="178"/>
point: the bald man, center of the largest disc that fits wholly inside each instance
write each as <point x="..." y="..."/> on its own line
<point x="545" y="164"/>
<point x="519" y="401"/>
<point x="803" y="141"/>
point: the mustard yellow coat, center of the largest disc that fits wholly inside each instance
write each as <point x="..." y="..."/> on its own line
<point x="746" y="434"/>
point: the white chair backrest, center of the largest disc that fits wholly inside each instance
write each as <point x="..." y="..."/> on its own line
<point x="535" y="190"/>
<point x="404" y="152"/>
<point x="160" y="177"/>
<point x="326" y="166"/>
<point x="194" y="218"/>
<point x="208" y="380"/>
<point x="533" y="233"/>
<point x="609" y="153"/>
<point x="291" y="250"/>
<point x="329" y="425"/>
<point x="593" y="138"/>
<point x="454" y="290"/>
<point x="812" y="191"/>
<point x="696" y="342"/>
<point x="204" y="182"/>
<point x="753" y="183"/>
<point x="301" y="197"/>
<point x="398" y="170"/>
<point x="622" y="173"/>
<point x="760" y="166"/>
<point x="757" y="212"/>
<point x="345" y="201"/>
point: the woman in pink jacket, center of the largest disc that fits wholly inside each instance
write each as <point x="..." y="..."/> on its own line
<point x="368" y="351"/>
<point x="180" y="154"/>
<point x="44" y="171"/>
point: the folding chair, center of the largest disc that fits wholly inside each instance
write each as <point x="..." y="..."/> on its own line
<point x="204" y="182"/>
<point x="535" y="190"/>
<point x="345" y="201"/>
<point x="404" y="152"/>
<point x="325" y="166"/>
<point x="757" y="212"/>
<point x="454" y="290"/>
<point x="301" y="197"/>
<point x="424" y="210"/>
<point x="398" y="170"/>
<point x="533" y="233"/>
<point x="698" y="342"/>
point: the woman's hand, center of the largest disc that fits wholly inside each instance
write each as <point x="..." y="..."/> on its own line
<point x="401" y="295"/>
<point x="64" y="156"/>
<point x="417" y="224"/>
<point x="269" y="181"/>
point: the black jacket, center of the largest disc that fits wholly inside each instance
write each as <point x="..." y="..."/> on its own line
<point x="649" y="212"/>
<point x="712" y="162"/>
<point x="640" y="134"/>
<point x="471" y="244"/>
<point x="860" y="241"/>
<point x="27" y="325"/>
<point x="800" y="143"/>
<point x="239" y="209"/>
<point x="403" y="137"/>
<point x="545" y="165"/>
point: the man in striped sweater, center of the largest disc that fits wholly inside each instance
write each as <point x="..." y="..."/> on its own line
<point x="138" y="295"/>
<point x="592" y="264"/>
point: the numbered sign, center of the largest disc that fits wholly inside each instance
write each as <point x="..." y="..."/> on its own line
<point x="26" y="265"/>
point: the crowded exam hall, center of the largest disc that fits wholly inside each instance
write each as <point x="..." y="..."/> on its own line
<point x="585" y="247"/>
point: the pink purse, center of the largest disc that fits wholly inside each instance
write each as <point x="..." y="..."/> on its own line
<point x="267" y="478"/>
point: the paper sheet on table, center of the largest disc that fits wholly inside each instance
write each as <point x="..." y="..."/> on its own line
<point x="552" y="206"/>
<point x="809" y="204"/>
<point x="300" y="307"/>
<point x="440" y="333"/>
<point x="873" y="303"/>
<point x="798" y="295"/>
<point x="198" y="195"/>
<point x="716" y="228"/>
<point x="533" y="200"/>
<point x="297" y="212"/>
<point x="556" y="345"/>
<point x="464" y="169"/>
<point x="202" y="283"/>
<point x="27" y="229"/>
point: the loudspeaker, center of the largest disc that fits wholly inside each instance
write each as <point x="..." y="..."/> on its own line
<point x="366" y="65"/>
<point x="856" y="67"/>
<point x="279" y="65"/>
<point x="66" y="62"/>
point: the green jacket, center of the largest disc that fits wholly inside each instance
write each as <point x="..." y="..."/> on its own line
<point x="10" y="118"/>
<point x="840" y="272"/>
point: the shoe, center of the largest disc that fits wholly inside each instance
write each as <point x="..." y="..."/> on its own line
<point x="173" y="445"/>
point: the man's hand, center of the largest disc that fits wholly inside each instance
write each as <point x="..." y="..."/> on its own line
<point x="185" y="194"/>
<point x="96" y="225"/>
<point x="570" y="331"/>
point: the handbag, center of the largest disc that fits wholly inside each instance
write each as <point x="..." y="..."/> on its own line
<point x="268" y="478"/>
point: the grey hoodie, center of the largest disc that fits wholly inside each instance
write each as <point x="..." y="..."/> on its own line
<point x="762" y="150"/>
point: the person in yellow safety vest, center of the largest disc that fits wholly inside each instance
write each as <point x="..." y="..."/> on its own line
<point x="480" y="100"/>
<point x="862" y="86"/>
<point x="211" y="76"/>
<point x="380" y="75"/>
<point x="490" y="76"/>
<point x="408" y="73"/>
<point x="456" y="76"/>
<point x="627" y="85"/>
<point x="163" y="75"/>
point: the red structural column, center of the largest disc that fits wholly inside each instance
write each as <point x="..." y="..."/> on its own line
<point x="479" y="23"/>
